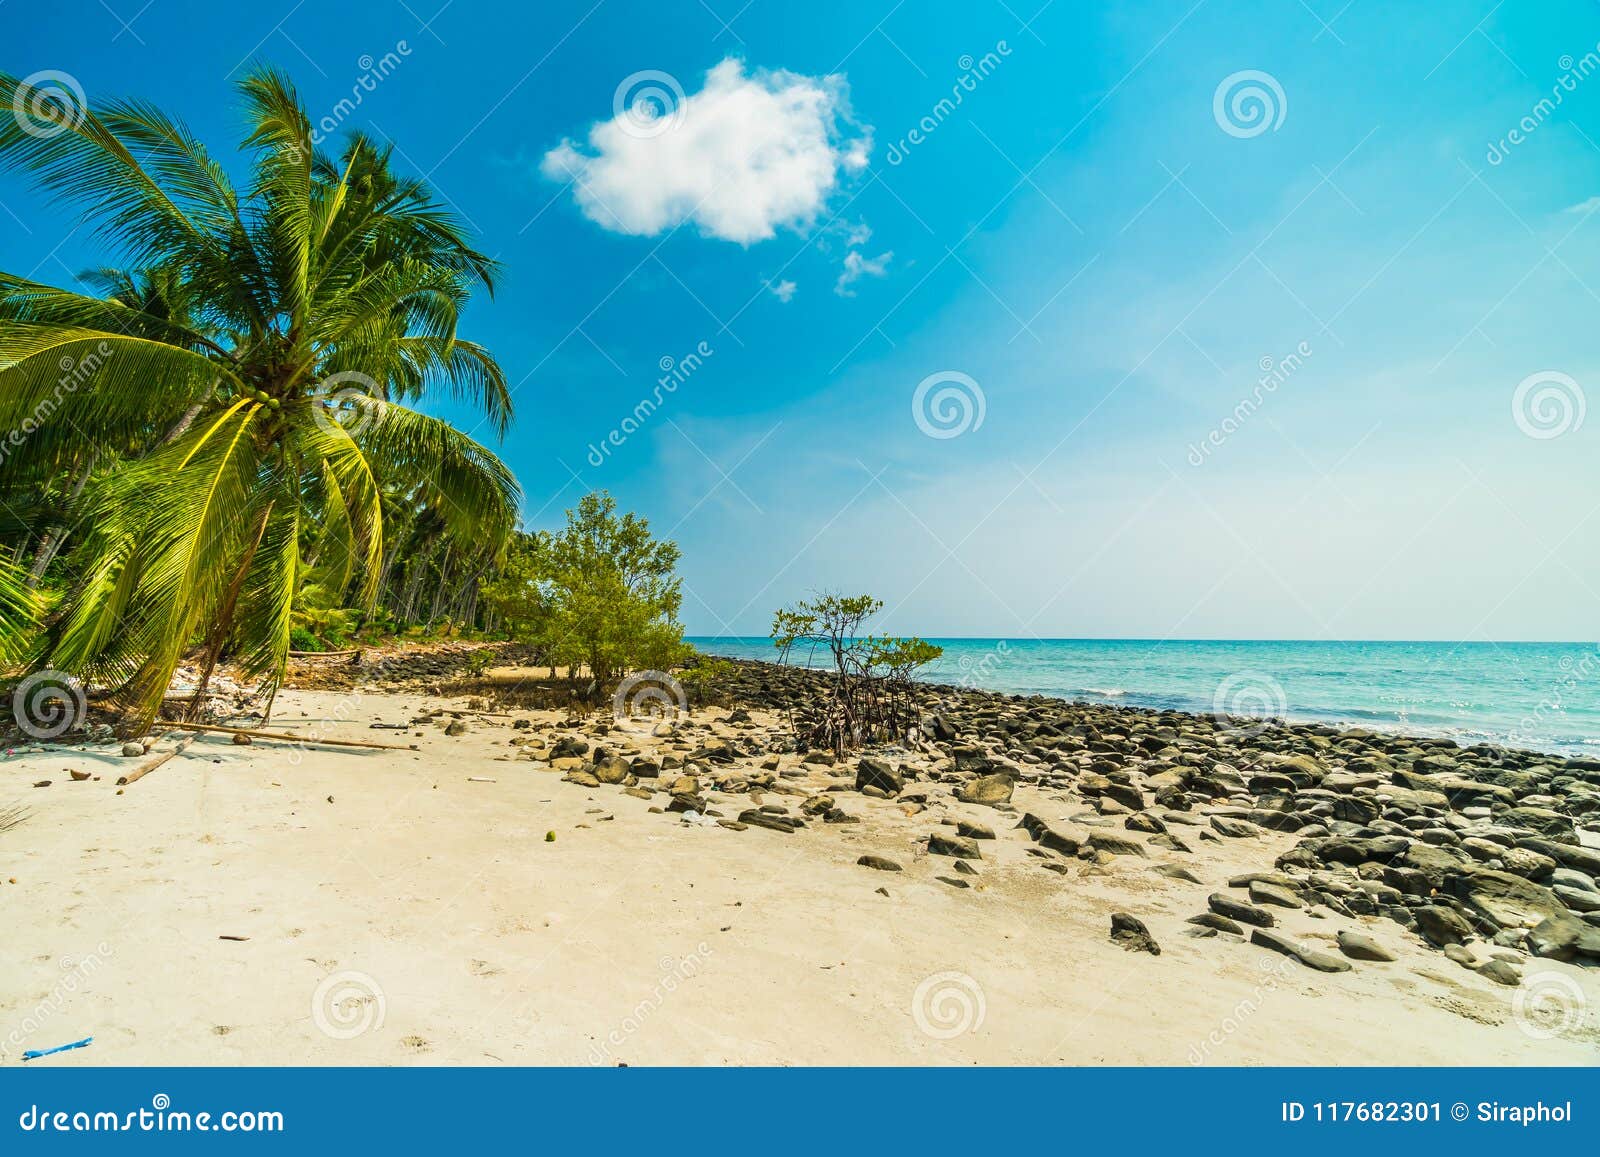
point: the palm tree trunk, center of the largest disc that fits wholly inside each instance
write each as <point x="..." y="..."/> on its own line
<point x="50" y="543"/>
<point x="224" y="624"/>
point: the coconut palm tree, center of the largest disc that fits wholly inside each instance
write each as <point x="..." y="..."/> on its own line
<point x="262" y="350"/>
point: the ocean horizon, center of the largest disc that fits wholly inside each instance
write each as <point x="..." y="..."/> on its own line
<point x="1538" y="695"/>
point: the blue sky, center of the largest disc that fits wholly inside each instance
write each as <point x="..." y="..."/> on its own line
<point x="1095" y="243"/>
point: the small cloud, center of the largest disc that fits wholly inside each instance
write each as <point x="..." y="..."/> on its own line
<point x="745" y="156"/>
<point x="782" y="290"/>
<point x="856" y="267"/>
<point x="856" y="236"/>
<point x="1584" y="207"/>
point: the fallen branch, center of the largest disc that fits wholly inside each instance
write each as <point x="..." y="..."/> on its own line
<point x="325" y="654"/>
<point x="145" y="769"/>
<point x="306" y="739"/>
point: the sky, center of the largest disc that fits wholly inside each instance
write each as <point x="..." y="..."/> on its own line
<point x="1200" y="319"/>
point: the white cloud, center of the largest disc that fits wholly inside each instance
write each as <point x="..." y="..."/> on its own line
<point x="856" y="267"/>
<point x="782" y="290"/>
<point x="1585" y="207"/>
<point x="743" y="157"/>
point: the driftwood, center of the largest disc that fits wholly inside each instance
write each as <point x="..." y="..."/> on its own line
<point x="145" y="769"/>
<point x="306" y="739"/>
<point x="326" y="654"/>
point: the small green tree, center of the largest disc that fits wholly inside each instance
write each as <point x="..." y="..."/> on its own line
<point x="519" y="595"/>
<point x="611" y="593"/>
<point x="868" y="695"/>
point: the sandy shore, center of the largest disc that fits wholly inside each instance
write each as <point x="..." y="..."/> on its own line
<point x="393" y="909"/>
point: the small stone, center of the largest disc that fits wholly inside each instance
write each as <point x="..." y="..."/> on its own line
<point x="974" y="831"/>
<point x="1502" y="972"/>
<point x="77" y="776"/>
<point x="1131" y="933"/>
<point x="960" y="847"/>
<point x="456" y="727"/>
<point x="1216" y="923"/>
<point x="880" y="863"/>
<point x="1263" y="892"/>
<point x="132" y="749"/>
<point x="1310" y="957"/>
<point x="1225" y="905"/>
<point x="1359" y="947"/>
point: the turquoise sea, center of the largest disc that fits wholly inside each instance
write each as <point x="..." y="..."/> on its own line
<point x="1544" y="696"/>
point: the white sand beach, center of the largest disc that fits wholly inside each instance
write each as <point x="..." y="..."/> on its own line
<point x="272" y="905"/>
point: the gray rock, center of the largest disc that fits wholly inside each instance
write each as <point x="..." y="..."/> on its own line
<point x="1130" y="932"/>
<point x="1310" y="957"/>
<point x="1224" y="905"/>
<point x="960" y="847"/>
<point x="1502" y="972"/>
<point x="1440" y="926"/>
<point x="880" y="863"/>
<point x="1264" y="892"/>
<point x="1359" y="947"/>
<point x="878" y="773"/>
<point x="988" y="790"/>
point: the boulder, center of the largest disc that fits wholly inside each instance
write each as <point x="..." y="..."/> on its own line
<point x="988" y="790"/>
<point x="878" y="773"/>
<point x="1508" y="900"/>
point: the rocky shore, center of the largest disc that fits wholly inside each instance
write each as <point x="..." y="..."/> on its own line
<point x="1488" y="854"/>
